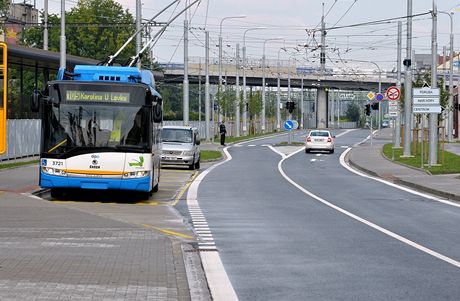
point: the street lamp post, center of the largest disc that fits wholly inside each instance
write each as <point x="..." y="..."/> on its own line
<point x="263" y="80"/>
<point x="380" y="84"/>
<point x="450" y="101"/>
<point x="245" y="111"/>
<point x="278" y="93"/>
<point x="220" y="51"/>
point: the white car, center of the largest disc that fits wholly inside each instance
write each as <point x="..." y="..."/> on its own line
<point x="319" y="140"/>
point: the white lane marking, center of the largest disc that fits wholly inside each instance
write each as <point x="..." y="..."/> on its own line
<point x="366" y="222"/>
<point x="313" y="160"/>
<point x="431" y="197"/>
<point x="219" y="284"/>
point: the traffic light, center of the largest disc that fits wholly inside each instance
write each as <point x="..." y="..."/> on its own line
<point x="368" y="110"/>
<point x="290" y="106"/>
<point x="375" y="106"/>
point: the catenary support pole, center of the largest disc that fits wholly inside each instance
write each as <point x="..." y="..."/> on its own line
<point x="397" y="131"/>
<point x="433" y="117"/>
<point x="185" y="108"/>
<point x="408" y="84"/>
<point x="62" y="38"/>
<point x="206" y="87"/>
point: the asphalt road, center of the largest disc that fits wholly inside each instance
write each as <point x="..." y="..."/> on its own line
<point x="336" y="236"/>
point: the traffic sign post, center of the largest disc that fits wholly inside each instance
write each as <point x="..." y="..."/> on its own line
<point x="290" y="125"/>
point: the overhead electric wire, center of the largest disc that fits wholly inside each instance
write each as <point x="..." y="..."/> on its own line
<point x="346" y="12"/>
<point x="378" y="22"/>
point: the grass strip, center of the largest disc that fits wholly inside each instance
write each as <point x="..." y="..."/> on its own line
<point x="210" y="155"/>
<point x="448" y="162"/>
<point x="17" y="164"/>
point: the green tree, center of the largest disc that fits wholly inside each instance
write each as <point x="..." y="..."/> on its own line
<point x="353" y="111"/>
<point x="95" y="29"/>
<point x="4" y="5"/>
<point x="255" y="103"/>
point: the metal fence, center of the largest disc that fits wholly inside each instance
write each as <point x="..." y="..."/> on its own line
<point x="24" y="134"/>
<point x="23" y="138"/>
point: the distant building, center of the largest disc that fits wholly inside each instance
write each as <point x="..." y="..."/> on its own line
<point x="16" y="18"/>
<point x="423" y="62"/>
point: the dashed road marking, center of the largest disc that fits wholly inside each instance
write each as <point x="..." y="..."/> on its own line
<point x="364" y="221"/>
<point x="219" y="284"/>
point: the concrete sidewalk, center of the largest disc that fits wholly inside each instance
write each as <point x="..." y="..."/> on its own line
<point x="371" y="160"/>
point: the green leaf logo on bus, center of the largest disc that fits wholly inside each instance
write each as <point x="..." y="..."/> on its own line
<point x="137" y="163"/>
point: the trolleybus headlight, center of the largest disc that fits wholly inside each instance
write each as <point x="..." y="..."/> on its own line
<point x="54" y="171"/>
<point x="136" y="174"/>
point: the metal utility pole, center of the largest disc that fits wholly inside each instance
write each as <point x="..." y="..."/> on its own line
<point x="263" y="81"/>
<point x="263" y="91"/>
<point x="206" y="87"/>
<point x="278" y="96"/>
<point x="199" y="90"/>
<point x="323" y="45"/>
<point x="138" y="27"/>
<point x="450" y="101"/>
<point x="245" y="112"/>
<point x="45" y="29"/>
<point x="219" y="90"/>
<point x="301" y="103"/>
<point x="433" y="117"/>
<point x="408" y="83"/>
<point x="237" y="88"/>
<point x="185" y="109"/>
<point x="397" y="139"/>
<point x="62" y="39"/>
<point x="278" y="93"/>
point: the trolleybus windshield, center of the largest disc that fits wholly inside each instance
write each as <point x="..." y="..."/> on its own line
<point x="91" y="118"/>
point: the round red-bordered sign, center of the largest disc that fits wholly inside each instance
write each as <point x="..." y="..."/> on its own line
<point x="393" y="93"/>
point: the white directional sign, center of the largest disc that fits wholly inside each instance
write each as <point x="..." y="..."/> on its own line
<point x="426" y="109"/>
<point x="426" y="100"/>
<point x="425" y="92"/>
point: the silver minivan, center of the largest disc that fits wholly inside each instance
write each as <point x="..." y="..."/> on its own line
<point x="180" y="146"/>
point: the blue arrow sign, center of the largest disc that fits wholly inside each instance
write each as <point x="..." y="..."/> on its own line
<point x="289" y="125"/>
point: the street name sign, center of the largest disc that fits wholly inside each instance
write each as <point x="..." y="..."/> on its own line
<point x="426" y="100"/>
<point x="426" y="109"/>
<point x="425" y="92"/>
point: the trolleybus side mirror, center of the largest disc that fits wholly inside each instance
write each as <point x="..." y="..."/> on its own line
<point x="157" y="115"/>
<point x="35" y="101"/>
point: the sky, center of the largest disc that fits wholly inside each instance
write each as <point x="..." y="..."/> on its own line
<point x="291" y="23"/>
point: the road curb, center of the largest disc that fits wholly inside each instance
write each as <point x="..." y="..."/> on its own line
<point x="397" y="180"/>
